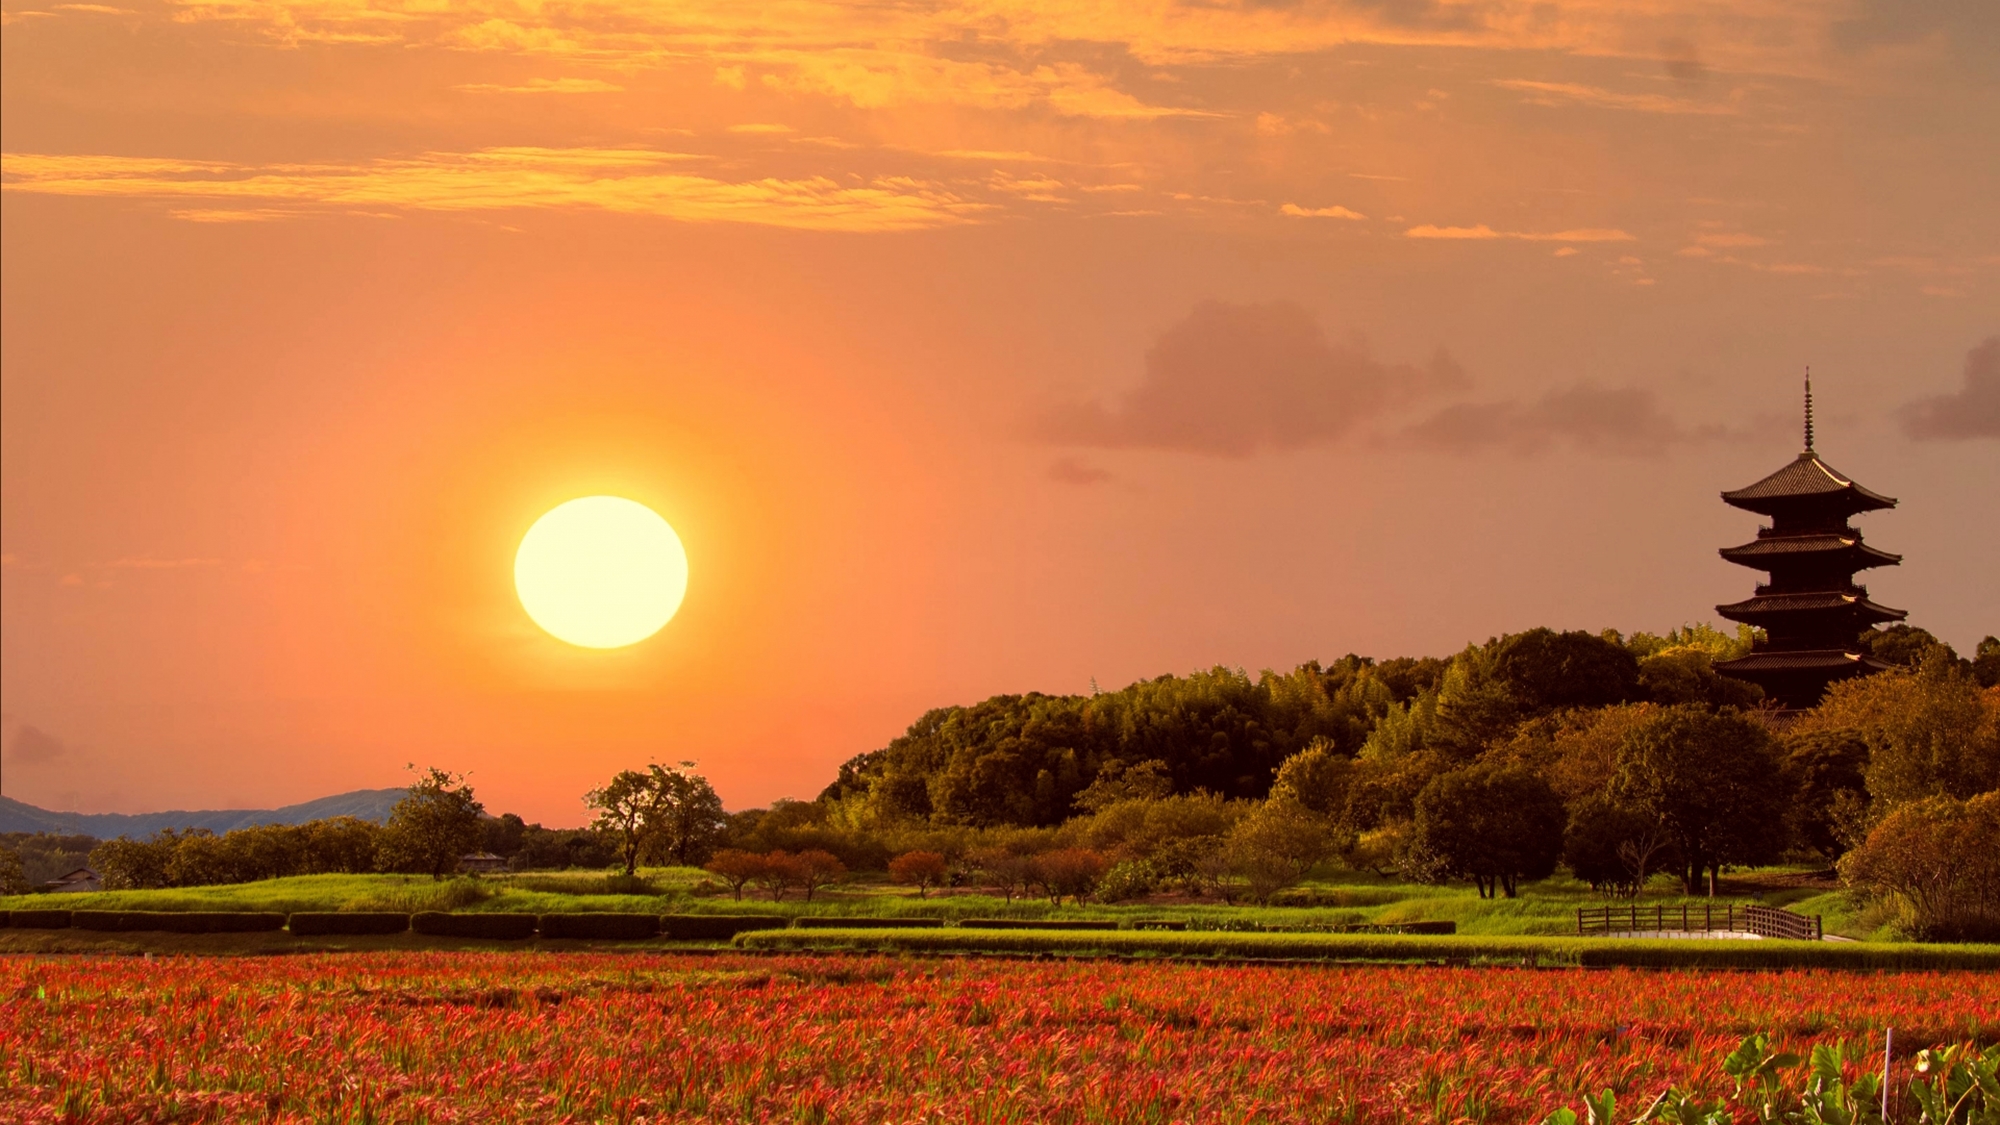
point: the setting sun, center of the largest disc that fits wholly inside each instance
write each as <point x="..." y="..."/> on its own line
<point x="601" y="572"/>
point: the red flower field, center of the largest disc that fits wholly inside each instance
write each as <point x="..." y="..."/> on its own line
<point x="666" y="1037"/>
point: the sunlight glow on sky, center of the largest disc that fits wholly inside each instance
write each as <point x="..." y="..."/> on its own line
<point x="971" y="347"/>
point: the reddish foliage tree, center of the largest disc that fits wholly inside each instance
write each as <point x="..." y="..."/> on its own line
<point x="737" y="868"/>
<point x="922" y="870"/>
<point x="815" y="868"/>
<point x="1069" y="871"/>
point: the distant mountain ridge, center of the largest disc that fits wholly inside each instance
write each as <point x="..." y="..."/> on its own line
<point x="366" y="804"/>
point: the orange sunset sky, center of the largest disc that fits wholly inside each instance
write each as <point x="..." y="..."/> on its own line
<point x="971" y="347"/>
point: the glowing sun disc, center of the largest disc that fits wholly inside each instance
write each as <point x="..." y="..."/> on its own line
<point x="601" y="572"/>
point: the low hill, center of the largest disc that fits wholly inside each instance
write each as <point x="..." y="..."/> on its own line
<point x="367" y="804"/>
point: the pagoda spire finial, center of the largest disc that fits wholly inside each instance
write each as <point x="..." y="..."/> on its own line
<point x="1809" y="434"/>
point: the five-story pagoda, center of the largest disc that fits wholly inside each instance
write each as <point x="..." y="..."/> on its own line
<point x="1812" y="612"/>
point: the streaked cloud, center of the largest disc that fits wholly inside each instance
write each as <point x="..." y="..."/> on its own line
<point x="544" y="86"/>
<point x="625" y="181"/>
<point x="1232" y="379"/>
<point x="1070" y="470"/>
<point x="1335" y="212"/>
<point x="1571" y="93"/>
<point x="1972" y="411"/>
<point x="144" y="562"/>
<point x="1615" y="421"/>
<point x="1482" y="232"/>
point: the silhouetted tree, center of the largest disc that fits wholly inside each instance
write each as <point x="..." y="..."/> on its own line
<point x="435" y="826"/>
<point x="1712" y="780"/>
<point x="1495" y="825"/>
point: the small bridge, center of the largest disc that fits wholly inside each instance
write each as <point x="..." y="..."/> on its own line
<point x="1691" y="920"/>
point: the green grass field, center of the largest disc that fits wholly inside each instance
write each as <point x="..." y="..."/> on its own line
<point x="1547" y="908"/>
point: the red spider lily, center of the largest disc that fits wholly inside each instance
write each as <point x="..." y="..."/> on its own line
<point x="646" y="1037"/>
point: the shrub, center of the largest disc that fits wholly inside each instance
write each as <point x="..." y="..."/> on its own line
<point x="39" y="919"/>
<point x="1939" y="860"/>
<point x="349" y="922"/>
<point x="499" y="927"/>
<point x="601" y="927"/>
<point x="922" y="870"/>
<point x="1134" y="878"/>
<point x="716" y="927"/>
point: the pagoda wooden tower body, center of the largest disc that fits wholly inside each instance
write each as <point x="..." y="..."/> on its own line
<point x="1812" y="612"/>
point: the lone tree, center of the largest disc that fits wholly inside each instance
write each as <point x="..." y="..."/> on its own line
<point x="666" y="812"/>
<point x="1714" y="783"/>
<point x="1495" y="825"/>
<point x="433" y="827"/>
<point x="692" y="819"/>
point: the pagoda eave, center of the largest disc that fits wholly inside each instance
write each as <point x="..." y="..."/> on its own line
<point x="1808" y="550"/>
<point x="1767" y="609"/>
<point x="1808" y="661"/>
<point x="1808" y="483"/>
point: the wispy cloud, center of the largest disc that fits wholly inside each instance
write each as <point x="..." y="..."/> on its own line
<point x="1571" y="93"/>
<point x="1230" y="380"/>
<point x="1070" y="470"/>
<point x="1482" y="232"/>
<point x="1972" y="411"/>
<point x="544" y="86"/>
<point x="143" y="562"/>
<point x="625" y="181"/>
<point x="1616" y="421"/>
<point x="1335" y="212"/>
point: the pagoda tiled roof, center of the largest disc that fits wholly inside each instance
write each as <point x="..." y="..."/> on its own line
<point x="1806" y="478"/>
<point x="1767" y="548"/>
<point x="1808" y="660"/>
<point x="1765" y="605"/>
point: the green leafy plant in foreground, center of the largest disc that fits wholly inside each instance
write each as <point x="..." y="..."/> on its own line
<point x="1956" y="1085"/>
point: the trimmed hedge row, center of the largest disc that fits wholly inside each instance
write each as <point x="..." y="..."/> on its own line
<point x="1359" y="947"/>
<point x="178" y="922"/>
<point x="602" y="927"/>
<point x="828" y="923"/>
<point x="1032" y="924"/>
<point x="497" y="927"/>
<point x="717" y="927"/>
<point x="38" y="919"/>
<point x="311" y="923"/>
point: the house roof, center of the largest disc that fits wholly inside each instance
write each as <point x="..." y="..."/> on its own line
<point x="1806" y="479"/>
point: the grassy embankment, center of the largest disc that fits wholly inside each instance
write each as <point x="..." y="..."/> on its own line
<point x="1546" y="908"/>
<point x="1546" y="951"/>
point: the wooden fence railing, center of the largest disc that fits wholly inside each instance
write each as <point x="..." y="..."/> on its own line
<point x="1707" y="917"/>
